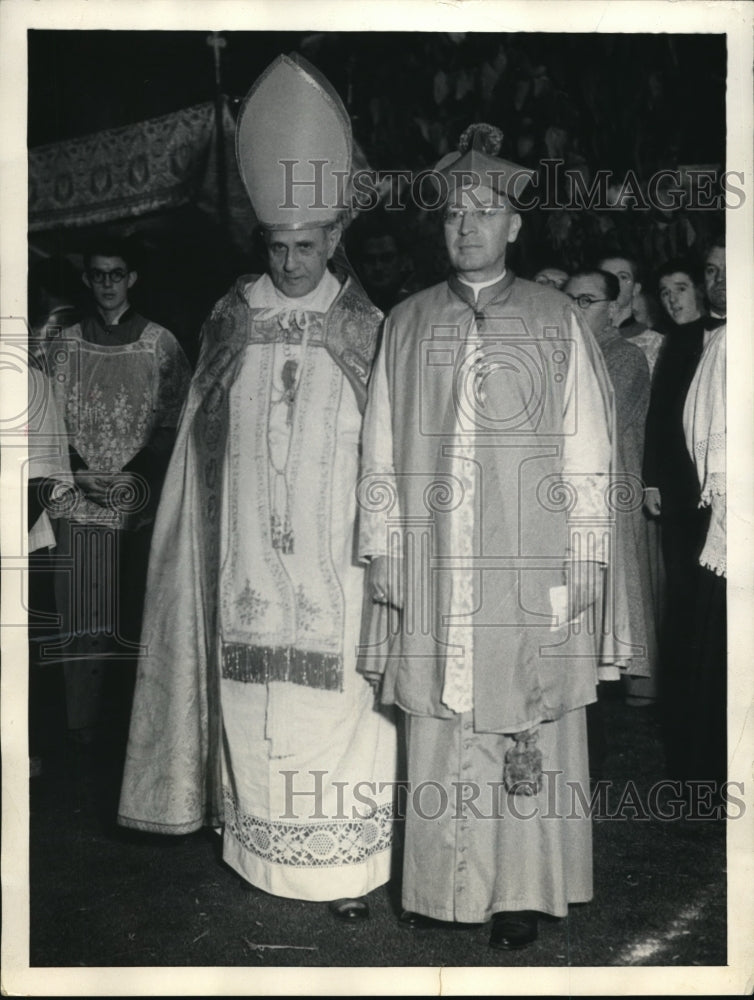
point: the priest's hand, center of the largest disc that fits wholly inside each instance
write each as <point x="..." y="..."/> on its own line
<point x="385" y="576"/>
<point x="93" y="485"/>
<point x="652" y="501"/>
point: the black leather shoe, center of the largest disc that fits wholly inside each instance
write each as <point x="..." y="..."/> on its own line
<point x="349" y="910"/>
<point x="417" y="921"/>
<point x="513" y="929"/>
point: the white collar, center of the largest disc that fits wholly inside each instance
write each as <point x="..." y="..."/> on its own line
<point x="112" y="322"/>
<point x="477" y="286"/>
<point x="264" y="295"/>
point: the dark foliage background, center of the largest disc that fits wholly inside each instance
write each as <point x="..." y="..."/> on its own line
<point x="617" y="101"/>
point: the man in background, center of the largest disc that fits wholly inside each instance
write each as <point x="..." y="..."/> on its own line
<point x="381" y="260"/>
<point x="715" y="283"/>
<point x="626" y="270"/>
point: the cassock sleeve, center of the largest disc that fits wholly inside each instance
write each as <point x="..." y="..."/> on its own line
<point x="705" y="431"/>
<point x="632" y="403"/>
<point x="587" y="451"/>
<point x="173" y="379"/>
<point x="377" y="493"/>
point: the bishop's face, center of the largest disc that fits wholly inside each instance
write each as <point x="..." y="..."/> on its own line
<point x="479" y="225"/>
<point x="298" y="258"/>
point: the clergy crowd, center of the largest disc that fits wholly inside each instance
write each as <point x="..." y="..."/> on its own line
<point x="387" y="536"/>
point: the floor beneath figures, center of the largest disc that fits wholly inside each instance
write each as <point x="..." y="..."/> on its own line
<point x="104" y="896"/>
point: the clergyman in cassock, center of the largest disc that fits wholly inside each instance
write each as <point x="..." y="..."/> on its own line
<point x="486" y="520"/>
<point x="249" y="712"/>
<point x="120" y="381"/>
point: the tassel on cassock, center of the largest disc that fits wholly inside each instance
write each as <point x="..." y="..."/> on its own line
<point x="522" y="773"/>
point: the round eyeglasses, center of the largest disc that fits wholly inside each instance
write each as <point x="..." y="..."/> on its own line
<point x="100" y="277"/>
<point x="584" y="301"/>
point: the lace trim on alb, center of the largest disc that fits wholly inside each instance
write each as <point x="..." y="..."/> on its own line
<point x="715" y="442"/>
<point x="714" y="486"/>
<point x="316" y="843"/>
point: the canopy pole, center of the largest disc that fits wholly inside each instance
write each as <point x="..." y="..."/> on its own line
<point x="217" y="43"/>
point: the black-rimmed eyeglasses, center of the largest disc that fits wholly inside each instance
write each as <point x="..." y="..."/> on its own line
<point x="99" y="277"/>
<point x="584" y="301"/>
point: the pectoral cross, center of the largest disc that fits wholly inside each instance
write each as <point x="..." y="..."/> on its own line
<point x="288" y="376"/>
<point x="282" y="534"/>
